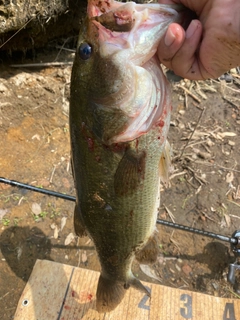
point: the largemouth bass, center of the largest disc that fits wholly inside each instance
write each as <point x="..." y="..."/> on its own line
<point x="119" y="118"/>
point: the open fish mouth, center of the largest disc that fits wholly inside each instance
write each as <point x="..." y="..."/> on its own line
<point x="128" y="34"/>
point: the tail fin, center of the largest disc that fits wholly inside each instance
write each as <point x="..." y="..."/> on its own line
<point x="109" y="294"/>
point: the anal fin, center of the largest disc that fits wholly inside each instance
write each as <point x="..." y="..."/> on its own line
<point x="148" y="254"/>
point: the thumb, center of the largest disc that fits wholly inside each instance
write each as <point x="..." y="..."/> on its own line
<point x="170" y="44"/>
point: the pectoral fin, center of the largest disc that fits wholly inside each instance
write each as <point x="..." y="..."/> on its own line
<point x="165" y="163"/>
<point x="130" y="173"/>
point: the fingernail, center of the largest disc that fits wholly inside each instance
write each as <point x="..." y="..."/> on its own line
<point x="191" y="28"/>
<point x="169" y="38"/>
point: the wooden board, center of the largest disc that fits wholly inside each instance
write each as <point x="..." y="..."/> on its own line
<point x="60" y="292"/>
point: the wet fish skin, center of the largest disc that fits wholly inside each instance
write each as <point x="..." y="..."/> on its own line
<point x="119" y="118"/>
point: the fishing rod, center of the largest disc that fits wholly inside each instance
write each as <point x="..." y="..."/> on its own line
<point x="234" y="240"/>
<point x="37" y="189"/>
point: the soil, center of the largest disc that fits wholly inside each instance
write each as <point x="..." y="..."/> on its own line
<point x="36" y="22"/>
<point x="203" y="190"/>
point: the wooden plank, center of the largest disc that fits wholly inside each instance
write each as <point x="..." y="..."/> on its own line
<point x="44" y="291"/>
<point x="61" y="292"/>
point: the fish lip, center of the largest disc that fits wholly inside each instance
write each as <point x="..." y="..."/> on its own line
<point x="113" y="15"/>
<point x="116" y="21"/>
<point x="96" y="8"/>
<point x="120" y="17"/>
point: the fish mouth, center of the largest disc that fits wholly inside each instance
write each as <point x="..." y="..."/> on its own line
<point x="125" y="37"/>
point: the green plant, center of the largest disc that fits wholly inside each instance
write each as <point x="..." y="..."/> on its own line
<point x="5" y="221"/>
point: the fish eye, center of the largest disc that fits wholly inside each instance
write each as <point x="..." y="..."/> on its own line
<point x="85" y="51"/>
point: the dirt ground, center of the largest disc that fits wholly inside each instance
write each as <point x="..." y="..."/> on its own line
<point x="203" y="191"/>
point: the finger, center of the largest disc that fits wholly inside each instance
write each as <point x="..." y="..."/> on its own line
<point x="168" y="1"/>
<point x="185" y="62"/>
<point x="165" y="2"/>
<point x="170" y="44"/>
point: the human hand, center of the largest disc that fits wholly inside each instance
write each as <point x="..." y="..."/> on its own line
<point x="210" y="46"/>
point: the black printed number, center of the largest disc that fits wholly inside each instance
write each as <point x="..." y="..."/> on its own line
<point x="186" y="311"/>
<point x="229" y="313"/>
<point x="142" y="303"/>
